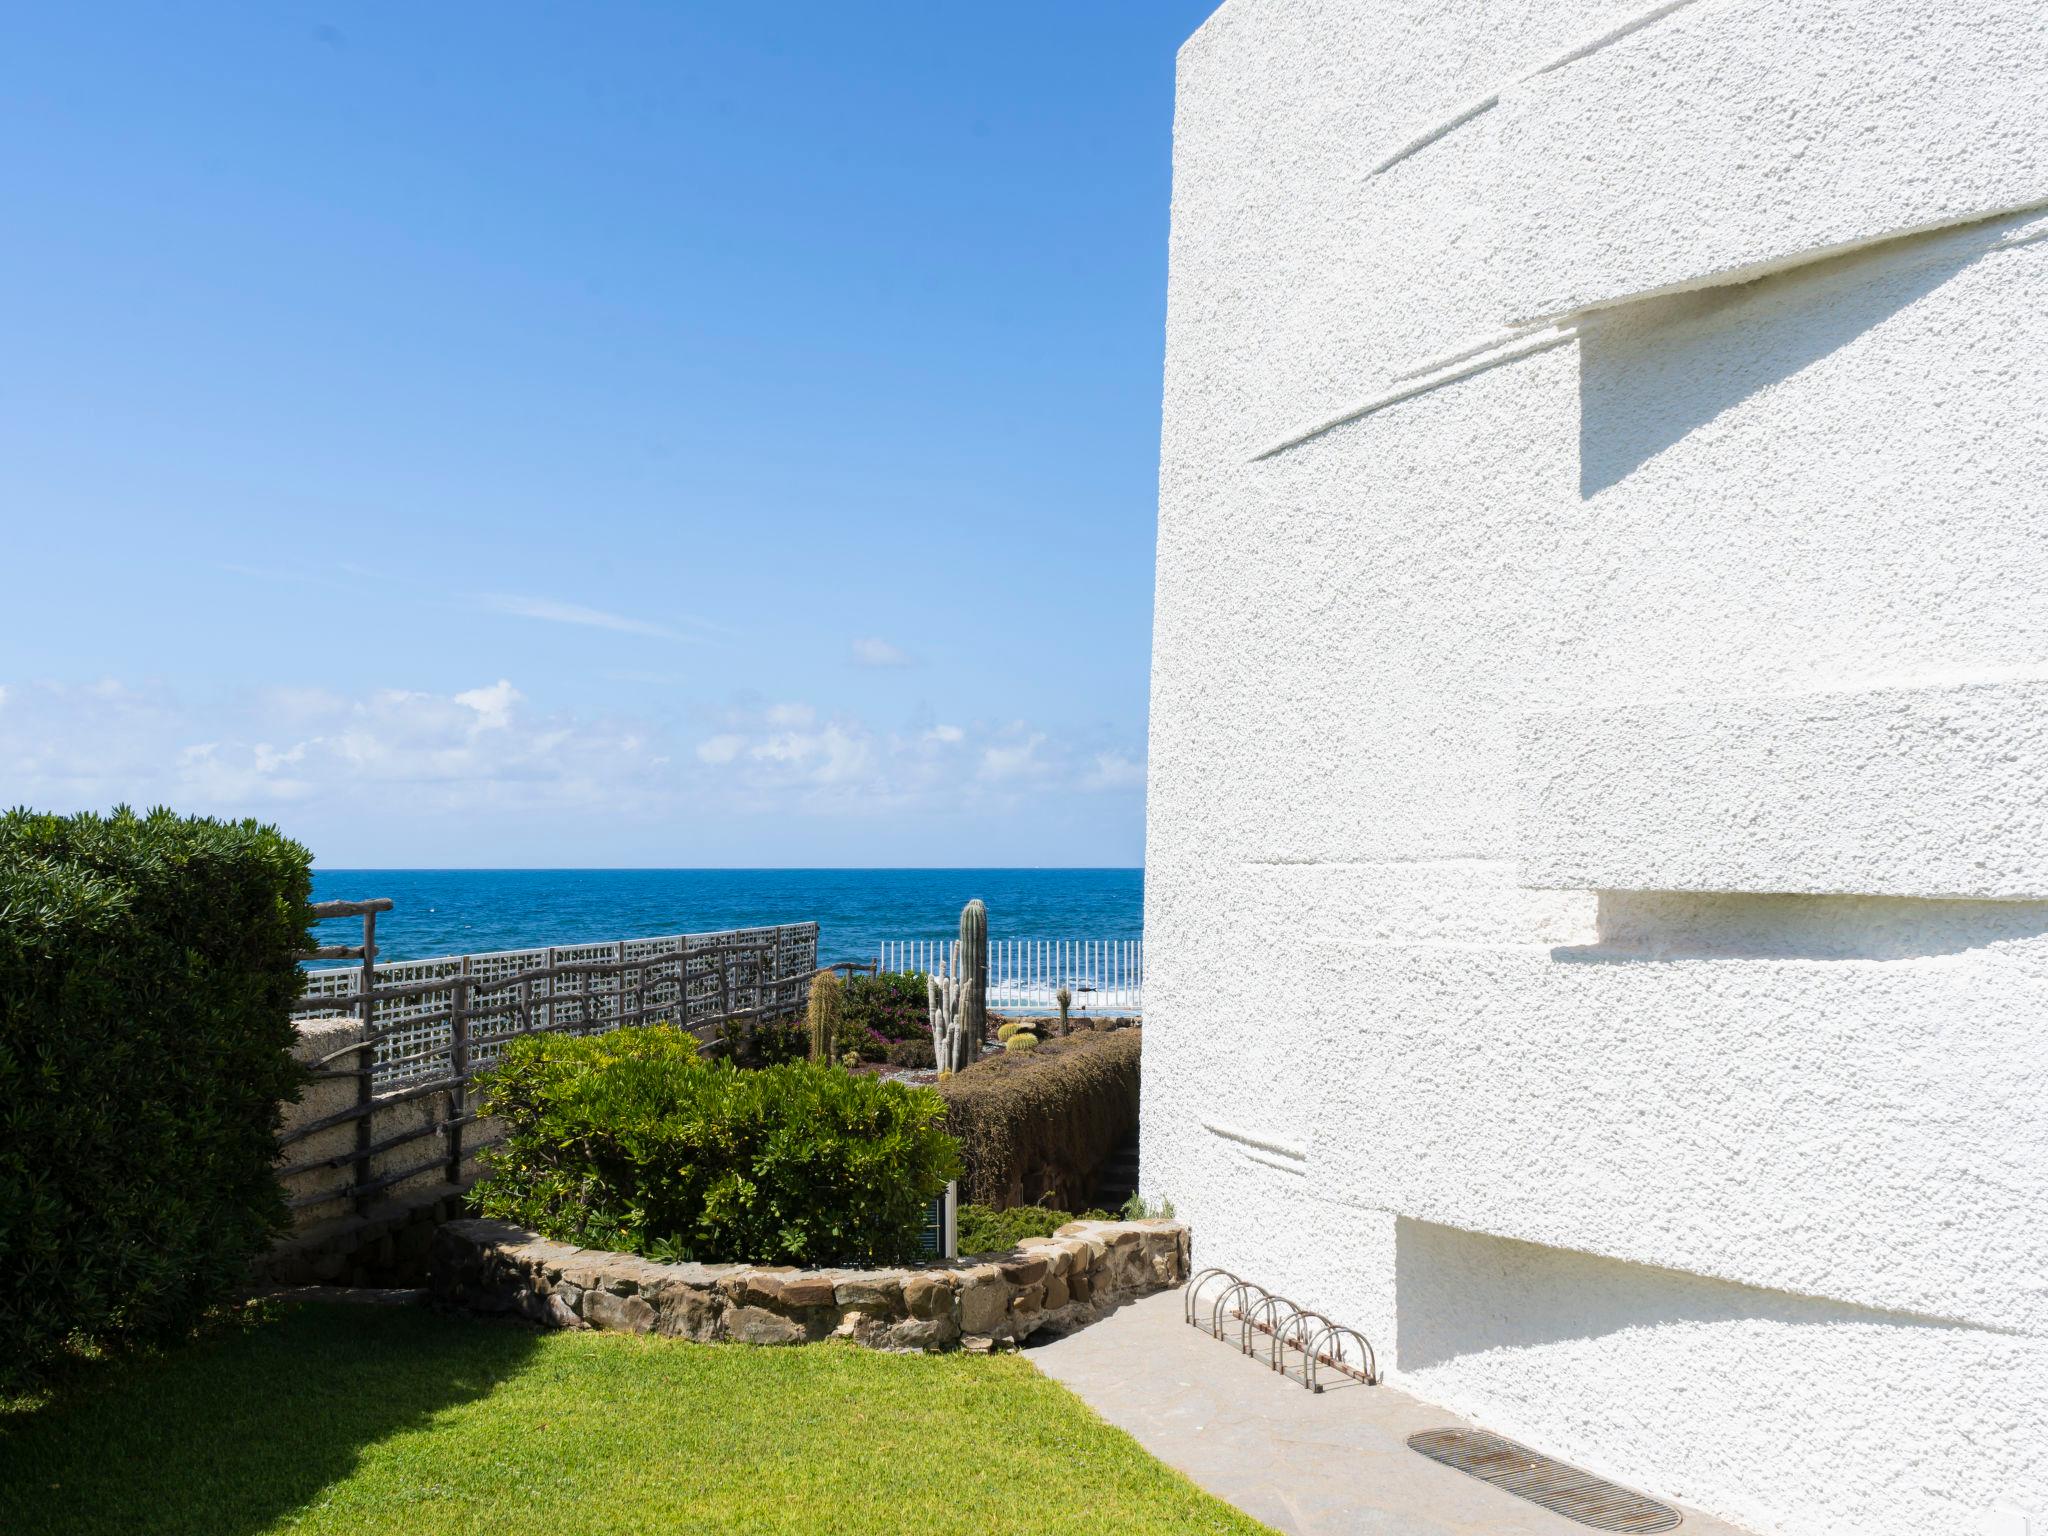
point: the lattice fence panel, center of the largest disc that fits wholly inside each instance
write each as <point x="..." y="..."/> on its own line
<point x="697" y="980"/>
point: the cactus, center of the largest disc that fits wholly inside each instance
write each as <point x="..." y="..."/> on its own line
<point x="1023" y="1040"/>
<point x="958" y="996"/>
<point x="1066" y="1000"/>
<point x="973" y="951"/>
<point x="826" y="1006"/>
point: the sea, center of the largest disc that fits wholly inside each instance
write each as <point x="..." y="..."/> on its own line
<point x="469" y="911"/>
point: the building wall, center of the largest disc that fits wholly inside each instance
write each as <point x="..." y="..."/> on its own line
<point x="1597" y="899"/>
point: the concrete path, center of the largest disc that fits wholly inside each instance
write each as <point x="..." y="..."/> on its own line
<point x="1306" y="1464"/>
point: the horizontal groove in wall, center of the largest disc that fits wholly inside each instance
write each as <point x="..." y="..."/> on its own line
<point x="1264" y="1143"/>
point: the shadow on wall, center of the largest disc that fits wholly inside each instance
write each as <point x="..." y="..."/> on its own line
<point x="1638" y="927"/>
<point x="1464" y="1293"/>
<point x="1651" y="373"/>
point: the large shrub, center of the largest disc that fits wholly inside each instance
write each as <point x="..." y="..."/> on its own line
<point x="633" y="1141"/>
<point x="147" y="971"/>
<point x="1038" y="1126"/>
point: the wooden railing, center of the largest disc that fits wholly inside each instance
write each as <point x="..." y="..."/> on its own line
<point x="425" y="1029"/>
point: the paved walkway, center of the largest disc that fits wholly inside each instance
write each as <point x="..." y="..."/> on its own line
<point x="1310" y="1465"/>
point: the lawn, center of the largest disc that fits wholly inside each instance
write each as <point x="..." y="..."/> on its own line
<point x="322" y="1418"/>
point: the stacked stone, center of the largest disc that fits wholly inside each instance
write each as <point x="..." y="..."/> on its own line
<point x="1054" y="1284"/>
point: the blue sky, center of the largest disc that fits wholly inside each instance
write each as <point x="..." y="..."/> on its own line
<point x="648" y="435"/>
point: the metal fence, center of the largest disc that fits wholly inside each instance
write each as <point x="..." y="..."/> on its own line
<point x="1104" y="975"/>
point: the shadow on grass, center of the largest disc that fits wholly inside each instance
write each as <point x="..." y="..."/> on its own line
<point x="227" y="1436"/>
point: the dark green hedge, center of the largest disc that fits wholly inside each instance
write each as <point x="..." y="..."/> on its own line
<point x="632" y="1141"/>
<point x="147" y="973"/>
<point x="1037" y="1126"/>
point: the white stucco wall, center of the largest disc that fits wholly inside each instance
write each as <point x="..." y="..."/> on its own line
<point x="1599" y="772"/>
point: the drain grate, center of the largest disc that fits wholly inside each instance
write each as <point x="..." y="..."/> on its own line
<point x="1578" y="1495"/>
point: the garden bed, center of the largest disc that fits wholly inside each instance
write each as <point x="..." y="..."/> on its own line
<point x="1049" y="1284"/>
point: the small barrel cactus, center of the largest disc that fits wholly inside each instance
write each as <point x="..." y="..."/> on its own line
<point x="1022" y="1040"/>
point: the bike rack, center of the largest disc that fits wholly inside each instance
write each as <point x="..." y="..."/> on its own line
<point x="1260" y="1312"/>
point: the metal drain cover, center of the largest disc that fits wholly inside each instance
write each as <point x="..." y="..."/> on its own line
<point x="1578" y="1495"/>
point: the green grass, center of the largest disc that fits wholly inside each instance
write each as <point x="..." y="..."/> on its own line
<point x="350" y="1419"/>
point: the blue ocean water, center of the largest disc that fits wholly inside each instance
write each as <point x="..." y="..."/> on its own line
<point x="463" y="911"/>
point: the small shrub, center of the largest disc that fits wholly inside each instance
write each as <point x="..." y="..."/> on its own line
<point x="983" y="1229"/>
<point x="632" y="1141"/>
<point x="890" y="1006"/>
<point x="1138" y="1208"/>
<point x="768" y="1043"/>
<point x="913" y="1055"/>
<point x="147" y="971"/>
<point x="1038" y="1125"/>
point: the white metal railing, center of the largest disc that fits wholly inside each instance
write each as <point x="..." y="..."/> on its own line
<point x="1104" y="975"/>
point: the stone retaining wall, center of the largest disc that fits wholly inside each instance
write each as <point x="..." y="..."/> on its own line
<point x="1056" y="1283"/>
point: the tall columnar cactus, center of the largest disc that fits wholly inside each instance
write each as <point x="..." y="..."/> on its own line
<point x="974" y="970"/>
<point x="827" y="1005"/>
<point x="1066" y="1000"/>
<point x="959" y="994"/>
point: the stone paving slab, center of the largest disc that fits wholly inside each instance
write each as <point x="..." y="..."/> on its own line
<point x="1329" y="1464"/>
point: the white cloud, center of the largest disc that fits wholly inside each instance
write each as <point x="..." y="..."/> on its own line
<point x="873" y="651"/>
<point x="720" y="749"/>
<point x="487" y="767"/>
<point x="1014" y="760"/>
<point x="493" y="705"/>
<point x="549" y="611"/>
<point x="1114" y="770"/>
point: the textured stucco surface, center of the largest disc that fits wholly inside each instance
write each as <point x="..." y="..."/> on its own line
<point x="1737" y="135"/>
<point x="1716" y="1154"/>
<point x="1933" y="791"/>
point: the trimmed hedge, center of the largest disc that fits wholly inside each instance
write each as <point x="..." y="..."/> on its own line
<point x="1036" y="1126"/>
<point x="632" y="1141"/>
<point x="147" y="971"/>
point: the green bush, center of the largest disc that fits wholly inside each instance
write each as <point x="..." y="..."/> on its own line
<point x="147" y="971"/>
<point x="983" y="1229"/>
<point x="915" y="1055"/>
<point x="633" y="1141"/>
<point x="767" y="1043"/>
<point x="1038" y="1125"/>
<point x="890" y="1006"/>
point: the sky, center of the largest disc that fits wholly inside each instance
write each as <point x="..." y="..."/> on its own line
<point x="524" y="435"/>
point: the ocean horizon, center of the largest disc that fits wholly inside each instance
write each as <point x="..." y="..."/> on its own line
<point x="468" y="911"/>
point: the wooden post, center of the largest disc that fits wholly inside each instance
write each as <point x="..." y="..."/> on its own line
<point x="725" y="992"/>
<point x="366" y="1059"/>
<point x="458" y="1069"/>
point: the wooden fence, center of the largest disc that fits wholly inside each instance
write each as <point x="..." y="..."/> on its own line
<point x="422" y="1030"/>
<point x="1023" y="974"/>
